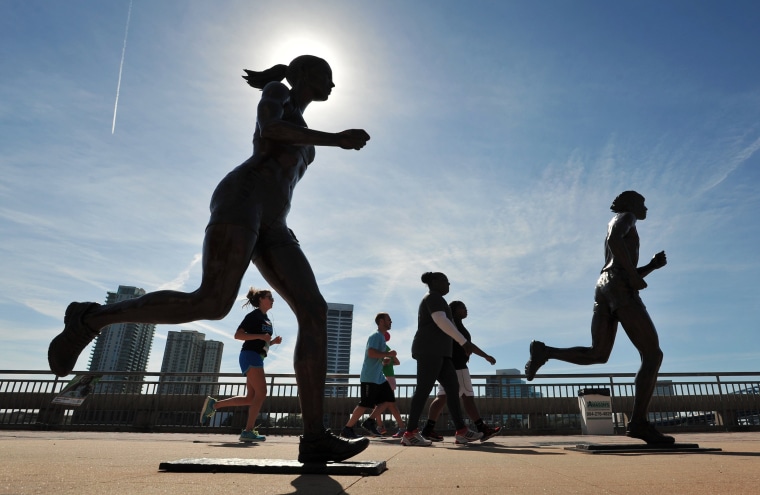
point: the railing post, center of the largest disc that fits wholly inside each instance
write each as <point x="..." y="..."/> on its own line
<point x="724" y="418"/>
<point x="615" y="424"/>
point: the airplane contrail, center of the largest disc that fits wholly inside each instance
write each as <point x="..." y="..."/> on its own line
<point x="121" y="66"/>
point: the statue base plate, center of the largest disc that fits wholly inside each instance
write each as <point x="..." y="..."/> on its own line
<point x="596" y="448"/>
<point x="272" y="466"/>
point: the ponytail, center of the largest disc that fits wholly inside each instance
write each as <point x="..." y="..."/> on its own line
<point x="292" y="72"/>
<point x="260" y="79"/>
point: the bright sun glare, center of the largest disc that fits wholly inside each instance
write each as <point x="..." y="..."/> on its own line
<point x="316" y="44"/>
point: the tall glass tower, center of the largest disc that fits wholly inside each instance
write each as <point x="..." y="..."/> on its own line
<point x="188" y="351"/>
<point x="122" y="347"/>
<point x="339" y="323"/>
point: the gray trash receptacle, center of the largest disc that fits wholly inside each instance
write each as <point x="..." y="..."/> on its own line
<point x="596" y="411"/>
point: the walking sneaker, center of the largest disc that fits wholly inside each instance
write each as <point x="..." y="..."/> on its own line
<point x="65" y="348"/>
<point x="489" y="432"/>
<point x="208" y="410"/>
<point x="370" y="425"/>
<point x="399" y="433"/>
<point x="537" y="359"/>
<point x="432" y="435"/>
<point x="643" y="430"/>
<point x="251" y="436"/>
<point x="328" y="447"/>
<point x="348" y="432"/>
<point x="466" y="435"/>
<point x="414" y="439"/>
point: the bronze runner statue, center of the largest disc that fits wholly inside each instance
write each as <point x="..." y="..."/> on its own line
<point x="616" y="299"/>
<point x="248" y="224"/>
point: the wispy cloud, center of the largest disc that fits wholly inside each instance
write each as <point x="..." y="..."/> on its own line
<point x="179" y="282"/>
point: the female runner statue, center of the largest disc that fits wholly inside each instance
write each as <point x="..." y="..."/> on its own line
<point x="248" y="224"/>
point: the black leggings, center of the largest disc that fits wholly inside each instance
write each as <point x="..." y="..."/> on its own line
<point x="430" y="369"/>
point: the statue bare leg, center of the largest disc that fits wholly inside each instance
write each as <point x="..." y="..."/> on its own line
<point x="289" y="273"/>
<point x="640" y="329"/>
<point x="616" y="299"/>
<point x="603" y="332"/>
<point x="227" y="253"/>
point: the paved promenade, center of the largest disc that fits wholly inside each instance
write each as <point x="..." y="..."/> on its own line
<point x="83" y="463"/>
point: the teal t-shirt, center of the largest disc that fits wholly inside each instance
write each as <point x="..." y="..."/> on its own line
<point x="372" y="369"/>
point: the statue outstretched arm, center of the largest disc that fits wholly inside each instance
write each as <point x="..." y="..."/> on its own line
<point x="271" y="110"/>
<point x="658" y="261"/>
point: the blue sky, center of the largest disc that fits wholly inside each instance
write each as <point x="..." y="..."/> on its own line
<point x="501" y="131"/>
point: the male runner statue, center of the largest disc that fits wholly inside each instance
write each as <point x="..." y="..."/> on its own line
<point x="616" y="299"/>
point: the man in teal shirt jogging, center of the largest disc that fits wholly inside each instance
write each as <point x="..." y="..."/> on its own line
<point x="376" y="392"/>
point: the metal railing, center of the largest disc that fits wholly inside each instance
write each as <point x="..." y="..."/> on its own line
<point x="171" y="402"/>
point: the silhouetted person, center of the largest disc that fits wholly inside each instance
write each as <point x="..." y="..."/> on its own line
<point x="616" y="299"/>
<point x="460" y="358"/>
<point x="248" y="224"/>
<point x="431" y="348"/>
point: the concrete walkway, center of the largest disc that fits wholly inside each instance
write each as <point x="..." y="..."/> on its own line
<point x="83" y="463"/>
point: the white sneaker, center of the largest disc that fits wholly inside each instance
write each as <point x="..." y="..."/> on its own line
<point x="414" y="439"/>
<point x="468" y="437"/>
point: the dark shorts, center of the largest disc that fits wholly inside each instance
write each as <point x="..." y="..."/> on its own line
<point x="613" y="291"/>
<point x="374" y="394"/>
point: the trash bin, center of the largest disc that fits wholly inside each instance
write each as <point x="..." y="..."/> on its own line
<point x="596" y="411"/>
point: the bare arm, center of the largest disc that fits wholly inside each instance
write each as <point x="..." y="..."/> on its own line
<point x="270" y="111"/>
<point x="658" y="261"/>
<point x="241" y="335"/>
<point x="471" y="348"/>
<point x="375" y="354"/>
<point x="387" y="361"/>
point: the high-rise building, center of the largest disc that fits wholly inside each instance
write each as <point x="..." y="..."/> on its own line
<point x="122" y="347"/>
<point x="508" y="384"/>
<point x="188" y="351"/>
<point x="339" y="323"/>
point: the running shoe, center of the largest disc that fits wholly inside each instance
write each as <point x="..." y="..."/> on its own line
<point x="399" y="433"/>
<point x="251" y="436"/>
<point x="208" y="410"/>
<point x="489" y="432"/>
<point x="327" y="447"/>
<point x="65" y="348"/>
<point x="371" y="426"/>
<point x="348" y="432"/>
<point x="414" y="439"/>
<point x="432" y="435"/>
<point x="466" y="435"/>
<point x="537" y="359"/>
